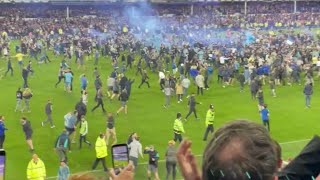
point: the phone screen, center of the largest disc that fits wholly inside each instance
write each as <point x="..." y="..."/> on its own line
<point x="120" y="157"/>
<point x="2" y="164"/>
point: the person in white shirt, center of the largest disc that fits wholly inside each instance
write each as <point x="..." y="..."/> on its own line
<point x="84" y="97"/>
<point x="162" y="77"/>
<point x="200" y="83"/>
<point x="135" y="150"/>
<point x="185" y="85"/>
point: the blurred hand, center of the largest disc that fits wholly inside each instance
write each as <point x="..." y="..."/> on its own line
<point x="125" y="174"/>
<point x="187" y="162"/>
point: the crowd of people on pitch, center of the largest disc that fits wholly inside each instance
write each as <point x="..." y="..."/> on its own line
<point x="178" y="53"/>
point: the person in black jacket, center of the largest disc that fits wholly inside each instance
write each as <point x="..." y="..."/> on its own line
<point x="128" y="87"/>
<point x="81" y="108"/>
<point x="9" y="68"/>
<point x="192" y="106"/>
<point x="123" y="98"/>
<point x="123" y="82"/>
<point x="99" y="100"/>
<point x="25" y="73"/>
<point x="97" y="83"/>
<point x="27" y="129"/>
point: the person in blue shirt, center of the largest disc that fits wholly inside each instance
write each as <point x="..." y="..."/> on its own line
<point x="84" y="82"/>
<point x="68" y="80"/>
<point x="265" y="116"/>
<point x="2" y="131"/>
<point x="64" y="171"/>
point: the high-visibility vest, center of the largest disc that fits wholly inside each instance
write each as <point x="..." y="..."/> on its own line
<point x="210" y="117"/>
<point x="101" y="148"/>
<point x="36" y="171"/>
<point x="178" y="127"/>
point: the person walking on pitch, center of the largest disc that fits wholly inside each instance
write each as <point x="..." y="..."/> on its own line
<point x="265" y="116"/>
<point x="48" y="111"/>
<point x="62" y="145"/>
<point x="101" y="152"/>
<point x="192" y="106"/>
<point x="209" y="122"/>
<point x="19" y="96"/>
<point x="84" y="132"/>
<point x="178" y="128"/>
<point x="26" y="127"/>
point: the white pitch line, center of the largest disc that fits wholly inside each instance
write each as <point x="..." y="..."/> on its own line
<point x="163" y="160"/>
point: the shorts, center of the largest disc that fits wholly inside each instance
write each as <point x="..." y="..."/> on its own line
<point x="68" y="84"/>
<point x="110" y="88"/>
<point x="70" y="130"/>
<point x="152" y="168"/>
<point x="134" y="161"/>
<point x="20" y="62"/>
<point x="28" y="136"/>
<point x="115" y="92"/>
<point x="123" y="103"/>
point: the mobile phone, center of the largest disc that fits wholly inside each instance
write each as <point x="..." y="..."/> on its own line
<point x="120" y="157"/>
<point x="2" y="164"/>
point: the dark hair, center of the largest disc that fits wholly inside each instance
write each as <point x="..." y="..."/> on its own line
<point x="178" y="115"/>
<point x="240" y="150"/>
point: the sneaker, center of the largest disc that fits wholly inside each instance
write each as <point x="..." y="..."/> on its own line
<point x="42" y="124"/>
<point x="165" y="106"/>
<point x="53" y="126"/>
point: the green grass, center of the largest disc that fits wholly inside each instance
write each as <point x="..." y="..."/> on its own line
<point x="289" y="120"/>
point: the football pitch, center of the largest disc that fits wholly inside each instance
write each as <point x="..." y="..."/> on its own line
<point x="291" y="124"/>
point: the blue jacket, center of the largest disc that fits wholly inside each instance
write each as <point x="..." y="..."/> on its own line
<point x="2" y="128"/>
<point x="308" y="90"/>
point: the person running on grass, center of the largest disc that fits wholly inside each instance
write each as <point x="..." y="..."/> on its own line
<point x="123" y="98"/>
<point x="27" y="129"/>
<point x="48" y="111"/>
<point x="111" y="129"/>
<point x="99" y="100"/>
<point x="192" y="106"/>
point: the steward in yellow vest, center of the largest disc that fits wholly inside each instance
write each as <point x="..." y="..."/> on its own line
<point x="209" y="122"/>
<point x="178" y="128"/>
